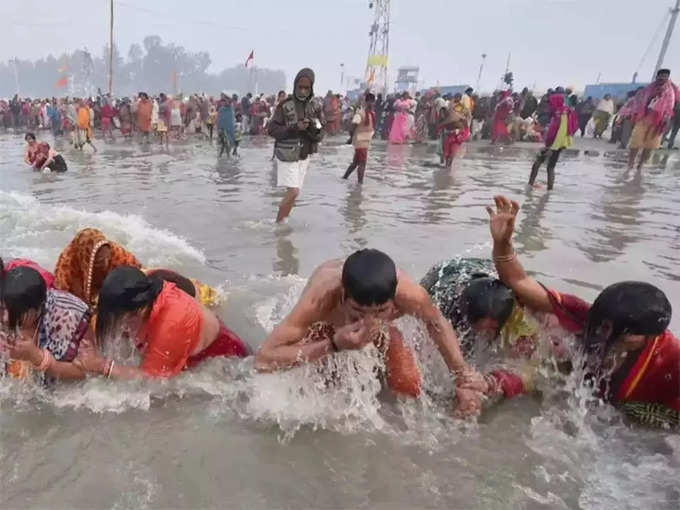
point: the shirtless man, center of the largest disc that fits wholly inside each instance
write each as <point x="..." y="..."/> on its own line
<point x="353" y="299"/>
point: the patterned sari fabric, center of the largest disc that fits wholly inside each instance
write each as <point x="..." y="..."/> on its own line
<point x="75" y="266"/>
<point x="62" y="326"/>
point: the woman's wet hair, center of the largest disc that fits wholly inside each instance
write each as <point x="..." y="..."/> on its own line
<point x="369" y="277"/>
<point x="29" y="136"/>
<point x="182" y="282"/>
<point x="23" y="290"/>
<point x="125" y="290"/>
<point x="635" y="308"/>
<point x="486" y="297"/>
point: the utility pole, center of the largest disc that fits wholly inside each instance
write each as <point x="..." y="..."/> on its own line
<point x="342" y="77"/>
<point x="111" y="54"/>
<point x="481" y="68"/>
<point x="667" y="39"/>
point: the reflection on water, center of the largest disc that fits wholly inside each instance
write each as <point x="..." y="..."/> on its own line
<point x="212" y="218"/>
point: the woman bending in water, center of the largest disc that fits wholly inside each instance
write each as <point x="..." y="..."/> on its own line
<point x="171" y="329"/>
<point x="41" y="156"/>
<point x="42" y="328"/>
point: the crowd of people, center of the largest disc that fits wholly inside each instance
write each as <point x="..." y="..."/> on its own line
<point x="59" y="326"/>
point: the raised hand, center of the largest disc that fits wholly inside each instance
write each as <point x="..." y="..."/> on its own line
<point x="502" y="220"/>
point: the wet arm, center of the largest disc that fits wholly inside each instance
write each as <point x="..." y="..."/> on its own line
<point x="412" y="299"/>
<point x="65" y="370"/>
<point x="531" y="293"/>
<point x="284" y="349"/>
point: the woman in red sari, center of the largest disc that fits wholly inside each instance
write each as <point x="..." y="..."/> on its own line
<point x="501" y="116"/>
<point x="633" y="355"/>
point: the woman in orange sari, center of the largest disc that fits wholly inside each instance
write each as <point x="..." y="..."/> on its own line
<point x="85" y="262"/>
<point x="90" y="257"/>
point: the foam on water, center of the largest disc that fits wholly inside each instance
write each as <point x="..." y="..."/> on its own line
<point x="31" y="229"/>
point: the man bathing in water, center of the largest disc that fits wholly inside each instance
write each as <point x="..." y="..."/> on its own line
<point x="348" y="305"/>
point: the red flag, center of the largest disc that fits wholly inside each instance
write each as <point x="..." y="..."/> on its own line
<point x="251" y="57"/>
<point x="63" y="81"/>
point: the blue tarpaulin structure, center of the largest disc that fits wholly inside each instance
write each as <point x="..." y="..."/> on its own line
<point x="616" y="90"/>
<point x="449" y="89"/>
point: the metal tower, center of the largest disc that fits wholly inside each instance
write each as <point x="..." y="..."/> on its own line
<point x="378" y="50"/>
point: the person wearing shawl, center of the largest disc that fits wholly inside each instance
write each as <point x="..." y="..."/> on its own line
<point x="42" y="328"/>
<point x="632" y="354"/>
<point x="144" y="110"/>
<point x="171" y="330"/>
<point x="84" y="127"/>
<point x="225" y="125"/>
<point x="602" y="114"/>
<point x="298" y="126"/>
<point x="653" y="112"/>
<point x="501" y="116"/>
<point x="563" y="125"/>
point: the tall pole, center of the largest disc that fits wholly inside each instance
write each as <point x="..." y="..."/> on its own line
<point x="481" y="68"/>
<point x="111" y="54"/>
<point x="342" y="77"/>
<point x="667" y="39"/>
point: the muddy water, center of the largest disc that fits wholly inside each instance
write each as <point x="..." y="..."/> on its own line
<point x="222" y="437"/>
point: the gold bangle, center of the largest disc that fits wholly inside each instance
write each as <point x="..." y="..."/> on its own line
<point x="504" y="258"/>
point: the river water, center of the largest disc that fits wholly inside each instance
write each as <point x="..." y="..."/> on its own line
<point x="224" y="437"/>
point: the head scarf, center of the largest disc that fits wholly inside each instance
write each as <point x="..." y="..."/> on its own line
<point x="305" y="73"/>
<point x="75" y="266"/>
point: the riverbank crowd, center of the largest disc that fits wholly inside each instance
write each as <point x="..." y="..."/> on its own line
<point x="58" y="325"/>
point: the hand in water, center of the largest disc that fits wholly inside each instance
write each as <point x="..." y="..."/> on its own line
<point x="502" y="223"/>
<point x="472" y="380"/>
<point x="468" y="402"/>
<point x="355" y="335"/>
<point x="88" y="358"/>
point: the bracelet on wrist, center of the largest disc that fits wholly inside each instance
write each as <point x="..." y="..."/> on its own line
<point x="505" y="258"/>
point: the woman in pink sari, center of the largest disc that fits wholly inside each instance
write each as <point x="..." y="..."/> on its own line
<point x="399" y="130"/>
<point x="503" y="111"/>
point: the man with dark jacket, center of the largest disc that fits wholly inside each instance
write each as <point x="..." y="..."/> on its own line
<point x="298" y="127"/>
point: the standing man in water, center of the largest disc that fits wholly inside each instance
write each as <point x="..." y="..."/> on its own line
<point x="652" y="115"/>
<point x="349" y="304"/>
<point x="298" y="127"/>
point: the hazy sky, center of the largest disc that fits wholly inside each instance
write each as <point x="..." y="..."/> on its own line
<point x="552" y="41"/>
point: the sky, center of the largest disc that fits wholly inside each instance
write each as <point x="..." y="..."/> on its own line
<point x="551" y="42"/>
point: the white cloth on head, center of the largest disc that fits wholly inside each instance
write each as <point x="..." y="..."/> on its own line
<point x="291" y="174"/>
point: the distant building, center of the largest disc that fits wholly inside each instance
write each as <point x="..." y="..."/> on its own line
<point x="407" y="79"/>
<point x="616" y="90"/>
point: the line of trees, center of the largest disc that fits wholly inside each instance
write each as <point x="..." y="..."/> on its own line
<point x="153" y="66"/>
